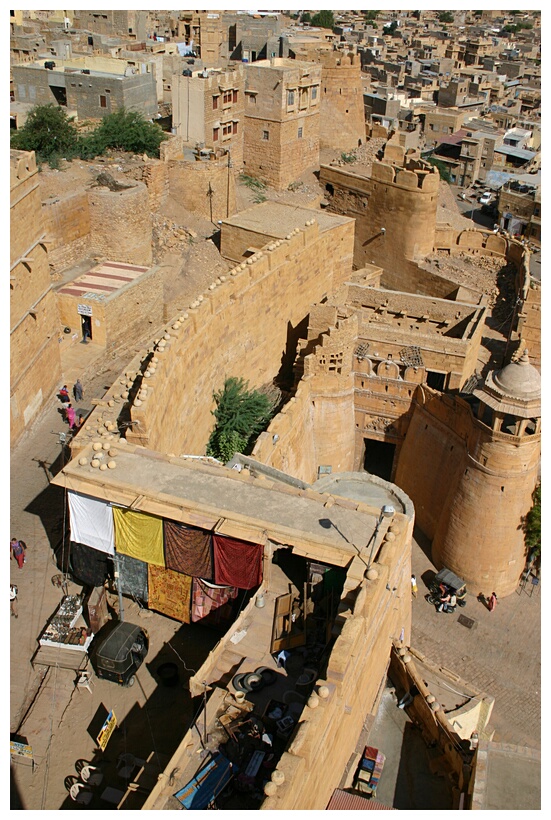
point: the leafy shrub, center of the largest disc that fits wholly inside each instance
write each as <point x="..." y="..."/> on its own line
<point x="48" y="132"/>
<point x="241" y="414"/>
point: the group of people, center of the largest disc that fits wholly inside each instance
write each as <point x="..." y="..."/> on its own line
<point x="70" y="412"/>
<point x="448" y="599"/>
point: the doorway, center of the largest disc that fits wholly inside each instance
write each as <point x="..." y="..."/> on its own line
<point x="379" y="458"/>
<point x="86" y="329"/>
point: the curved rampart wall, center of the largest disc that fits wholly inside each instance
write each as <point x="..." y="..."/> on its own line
<point x="120" y="224"/>
<point x="401" y="201"/>
<point x="473" y="491"/>
<point x="235" y="329"/>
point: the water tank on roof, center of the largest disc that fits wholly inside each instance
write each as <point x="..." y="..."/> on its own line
<point x="187" y="72"/>
<point x="49" y="64"/>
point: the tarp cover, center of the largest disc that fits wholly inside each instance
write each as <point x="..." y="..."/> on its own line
<point x="237" y="563"/>
<point x="188" y="550"/>
<point x="88" y="565"/>
<point x="91" y="522"/>
<point x="132" y="578"/>
<point x="170" y="593"/>
<point x="139" y="535"/>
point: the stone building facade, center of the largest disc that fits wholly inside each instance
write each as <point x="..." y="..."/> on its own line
<point x="208" y="110"/>
<point x="282" y="120"/>
<point x="88" y="92"/>
<point x="35" y="366"/>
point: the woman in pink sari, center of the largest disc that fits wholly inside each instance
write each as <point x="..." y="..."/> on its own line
<point x="492" y="601"/>
<point x="70" y="413"/>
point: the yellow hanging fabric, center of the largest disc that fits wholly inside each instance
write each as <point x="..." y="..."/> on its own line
<point x="139" y="535"/>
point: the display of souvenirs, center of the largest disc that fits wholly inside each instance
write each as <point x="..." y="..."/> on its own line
<point x="62" y="629"/>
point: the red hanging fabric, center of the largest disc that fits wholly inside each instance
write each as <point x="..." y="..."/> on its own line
<point x="237" y="563"/>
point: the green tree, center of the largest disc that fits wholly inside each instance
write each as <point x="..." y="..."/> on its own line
<point x="445" y="17"/>
<point x="126" y="131"/>
<point x="306" y="17"/>
<point x="371" y="15"/>
<point x="324" y="19"/>
<point x="241" y="414"/>
<point x="49" y="132"/>
<point x="532" y="523"/>
<point x="390" y="28"/>
<point x="441" y="168"/>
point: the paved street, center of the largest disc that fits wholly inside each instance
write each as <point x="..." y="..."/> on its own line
<point x="500" y="655"/>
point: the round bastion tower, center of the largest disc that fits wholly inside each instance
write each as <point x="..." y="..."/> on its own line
<point x="482" y="537"/>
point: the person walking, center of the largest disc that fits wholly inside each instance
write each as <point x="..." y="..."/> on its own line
<point x="78" y="391"/>
<point x="64" y="394"/>
<point x="13" y="600"/>
<point x="414" y="586"/>
<point x="492" y="601"/>
<point x="18" y="549"/>
<point x="71" y="415"/>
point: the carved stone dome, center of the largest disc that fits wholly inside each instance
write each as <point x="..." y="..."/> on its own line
<point x="514" y="390"/>
<point x="519" y="379"/>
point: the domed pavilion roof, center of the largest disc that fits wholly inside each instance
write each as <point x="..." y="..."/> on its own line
<point x="513" y="390"/>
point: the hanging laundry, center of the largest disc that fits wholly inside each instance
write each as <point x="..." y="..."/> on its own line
<point x="237" y="563"/>
<point x="169" y="593"/>
<point x="91" y="522"/>
<point x="88" y="565"/>
<point x="132" y="578"/>
<point x="207" y="598"/>
<point x="139" y="535"/>
<point x="188" y="549"/>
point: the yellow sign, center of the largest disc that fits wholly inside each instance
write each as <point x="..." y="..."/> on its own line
<point x="20" y="749"/>
<point x="106" y="731"/>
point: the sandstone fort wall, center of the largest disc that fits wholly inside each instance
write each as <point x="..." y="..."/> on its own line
<point x="190" y="183"/>
<point x="474" y="517"/>
<point x="247" y="335"/>
<point x="401" y="201"/>
<point x="67" y="222"/>
<point x="35" y="366"/>
<point x="120" y="224"/>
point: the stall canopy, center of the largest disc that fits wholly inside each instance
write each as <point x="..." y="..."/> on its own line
<point x="139" y="535"/>
<point x="237" y="563"/>
<point x="188" y="550"/>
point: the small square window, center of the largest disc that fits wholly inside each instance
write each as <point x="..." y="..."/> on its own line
<point x="314" y="92"/>
<point x="265" y="135"/>
<point x="290" y="98"/>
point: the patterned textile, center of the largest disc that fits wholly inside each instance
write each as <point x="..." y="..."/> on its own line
<point x="132" y="577"/>
<point x="170" y="593"/>
<point x="237" y="563"/>
<point x="88" y="565"/>
<point x="188" y="550"/>
<point x="207" y="598"/>
<point x="139" y="535"/>
<point x="91" y="522"/>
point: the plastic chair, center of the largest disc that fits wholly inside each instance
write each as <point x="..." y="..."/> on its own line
<point x="127" y="762"/>
<point x="81" y="793"/>
<point x="91" y="775"/>
<point x="84" y="680"/>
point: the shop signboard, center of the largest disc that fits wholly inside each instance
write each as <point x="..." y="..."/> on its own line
<point x="106" y="730"/>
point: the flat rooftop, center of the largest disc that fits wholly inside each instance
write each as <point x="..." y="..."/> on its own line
<point x="103" y="281"/>
<point x="277" y="220"/>
<point x="236" y="504"/>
